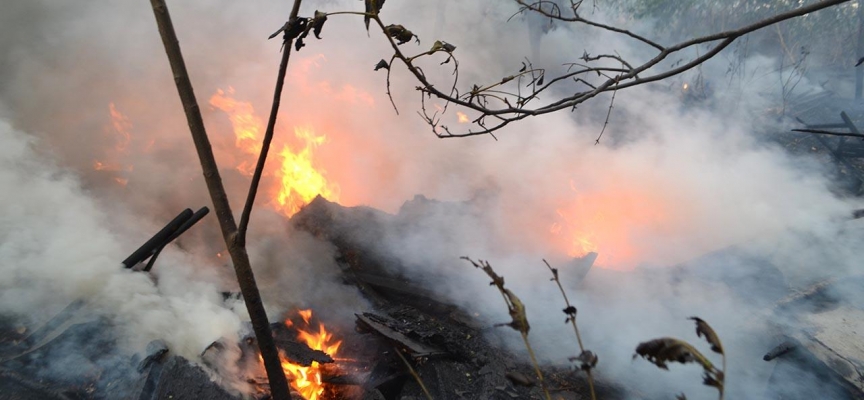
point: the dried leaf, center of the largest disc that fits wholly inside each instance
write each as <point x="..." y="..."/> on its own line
<point x="382" y="64"/>
<point x="705" y="330"/>
<point x="372" y="7"/>
<point x="587" y="359"/>
<point x="399" y="33"/>
<point x="517" y="312"/>
<point x="540" y="81"/>
<point x="442" y="46"/>
<point x="318" y="23"/>
<point x="663" y="350"/>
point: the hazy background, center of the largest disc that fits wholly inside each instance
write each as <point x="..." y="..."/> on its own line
<point x="672" y="180"/>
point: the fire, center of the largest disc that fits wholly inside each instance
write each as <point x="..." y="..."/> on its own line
<point x="297" y="179"/>
<point x="246" y="124"/>
<point x="300" y="181"/>
<point x="307" y="380"/>
<point x="609" y="222"/>
<point x="120" y="131"/>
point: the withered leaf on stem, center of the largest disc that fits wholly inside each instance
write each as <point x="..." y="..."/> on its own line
<point x="399" y="33"/>
<point x="663" y="350"/>
<point x="372" y="7"/>
<point x="714" y="379"/>
<point x="587" y="359"/>
<point x="318" y="23"/>
<point x="382" y="64"/>
<point x="703" y="329"/>
<point x="517" y="313"/>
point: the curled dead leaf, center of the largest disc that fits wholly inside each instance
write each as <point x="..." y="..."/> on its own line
<point x="705" y="330"/>
<point x="663" y="350"/>
<point x="382" y="64"/>
<point x="399" y="33"/>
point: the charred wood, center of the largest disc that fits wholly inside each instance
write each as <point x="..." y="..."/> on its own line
<point x="158" y="240"/>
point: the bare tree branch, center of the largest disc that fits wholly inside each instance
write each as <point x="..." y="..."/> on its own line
<point x="496" y="103"/>
<point x="239" y="256"/>
<point x="271" y="125"/>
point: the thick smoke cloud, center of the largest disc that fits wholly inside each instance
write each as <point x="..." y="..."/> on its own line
<point x="683" y="180"/>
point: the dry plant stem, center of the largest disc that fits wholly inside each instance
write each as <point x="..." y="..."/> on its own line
<point x="239" y="257"/>
<point x="414" y="374"/>
<point x="536" y="366"/>
<point x="575" y="328"/>
<point x="268" y="135"/>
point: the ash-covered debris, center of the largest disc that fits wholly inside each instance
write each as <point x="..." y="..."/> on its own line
<point x="80" y="357"/>
<point x="446" y="346"/>
<point x="819" y="330"/>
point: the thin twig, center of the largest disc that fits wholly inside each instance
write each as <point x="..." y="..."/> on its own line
<point x="268" y="135"/>
<point x="414" y="374"/>
<point x="572" y="319"/>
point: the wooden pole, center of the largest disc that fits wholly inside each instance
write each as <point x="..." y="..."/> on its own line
<point x="240" y="258"/>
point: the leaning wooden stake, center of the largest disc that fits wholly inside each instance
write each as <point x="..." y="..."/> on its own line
<point x="239" y="257"/>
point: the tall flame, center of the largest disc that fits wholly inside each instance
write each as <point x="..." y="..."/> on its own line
<point x="301" y="182"/>
<point x="297" y="179"/>
<point x="307" y="380"/>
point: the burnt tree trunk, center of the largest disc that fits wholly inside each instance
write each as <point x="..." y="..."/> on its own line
<point x="239" y="256"/>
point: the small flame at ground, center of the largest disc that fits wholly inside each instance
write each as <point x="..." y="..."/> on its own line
<point x="609" y="223"/>
<point x="307" y="380"/>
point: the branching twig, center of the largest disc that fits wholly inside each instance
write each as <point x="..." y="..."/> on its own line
<point x="513" y="107"/>
<point x="271" y="125"/>
<point x="519" y="319"/>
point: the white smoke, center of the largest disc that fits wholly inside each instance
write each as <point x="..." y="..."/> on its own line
<point x="718" y="183"/>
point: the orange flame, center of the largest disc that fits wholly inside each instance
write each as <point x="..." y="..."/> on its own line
<point x="300" y="181"/>
<point x="297" y="179"/>
<point x="307" y="380"/>
<point x="119" y="129"/>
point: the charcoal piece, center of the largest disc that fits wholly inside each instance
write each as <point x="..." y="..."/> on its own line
<point x="414" y="347"/>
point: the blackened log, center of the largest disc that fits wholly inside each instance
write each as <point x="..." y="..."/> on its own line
<point x="201" y="213"/>
<point x="157" y="240"/>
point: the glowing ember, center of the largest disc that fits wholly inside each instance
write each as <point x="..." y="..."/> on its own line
<point x="463" y="119"/>
<point x="307" y="380"/>
<point x="609" y="223"/>
<point x="297" y="179"/>
<point x="301" y="182"/>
